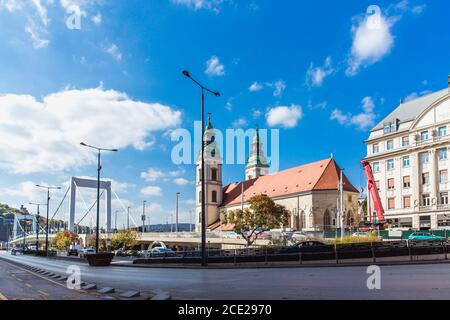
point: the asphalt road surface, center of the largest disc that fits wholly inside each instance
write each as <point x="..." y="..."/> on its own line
<point x="19" y="284"/>
<point x="427" y="281"/>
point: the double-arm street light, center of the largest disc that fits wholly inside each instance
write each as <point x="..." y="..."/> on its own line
<point x="37" y="223"/>
<point x="48" y="205"/>
<point x="203" y="213"/>
<point x="99" y="169"/>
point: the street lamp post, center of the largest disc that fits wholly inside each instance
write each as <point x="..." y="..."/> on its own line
<point x="128" y="219"/>
<point x="37" y="223"/>
<point x="176" y="214"/>
<point x="115" y="222"/>
<point x="143" y="215"/>
<point x="203" y="213"/>
<point x="48" y="205"/>
<point x="99" y="168"/>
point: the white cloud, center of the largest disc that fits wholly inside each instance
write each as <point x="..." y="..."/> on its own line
<point x="40" y="136"/>
<point x="152" y="175"/>
<point x="214" y="67"/>
<point x="415" y="95"/>
<point x="181" y="181"/>
<point x="241" y="122"/>
<point x="279" y="86"/>
<point x="362" y="120"/>
<point x="372" y="40"/>
<point x="152" y="191"/>
<point x="256" y="113"/>
<point x="284" y="116"/>
<point x="229" y="104"/>
<point x="316" y="75"/>
<point x="213" y="5"/>
<point x="97" y="19"/>
<point x="114" y="51"/>
<point x="35" y="34"/>
<point x="255" y="87"/>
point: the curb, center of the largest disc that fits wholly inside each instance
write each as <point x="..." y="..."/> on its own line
<point x="124" y="294"/>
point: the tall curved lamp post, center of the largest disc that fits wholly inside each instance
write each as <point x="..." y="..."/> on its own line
<point x="99" y="168"/>
<point x="203" y="213"/>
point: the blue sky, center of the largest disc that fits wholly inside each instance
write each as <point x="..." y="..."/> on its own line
<point x="321" y="72"/>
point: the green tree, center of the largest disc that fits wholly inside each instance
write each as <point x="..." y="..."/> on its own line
<point x="64" y="239"/>
<point x="263" y="214"/>
<point x="124" y="239"/>
<point x="364" y="209"/>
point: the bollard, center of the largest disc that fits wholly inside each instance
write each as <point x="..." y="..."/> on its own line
<point x="266" y="257"/>
<point x="300" y="258"/>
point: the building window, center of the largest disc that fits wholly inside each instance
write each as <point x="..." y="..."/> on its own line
<point x="406" y="162"/>
<point x="303" y="221"/>
<point x="326" y="220"/>
<point x="442" y="154"/>
<point x="425" y="178"/>
<point x="407" y="202"/>
<point x="199" y="174"/>
<point x="442" y="131"/>
<point x="214" y="196"/>
<point x="375" y="148"/>
<point x="213" y="174"/>
<point x="391" y="184"/>
<point x="406" y="182"/>
<point x="444" y="198"/>
<point x="390" y="126"/>
<point x="390" y="164"/>
<point x="426" y="200"/>
<point x="200" y="197"/>
<point x="376" y="167"/>
<point x="405" y="141"/>
<point x="377" y="184"/>
<point x="424" y="135"/>
<point x="443" y="176"/>
<point x="390" y="145"/>
<point x="391" y="203"/>
<point x="424" y="158"/>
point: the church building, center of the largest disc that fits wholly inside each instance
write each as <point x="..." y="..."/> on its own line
<point x="310" y="191"/>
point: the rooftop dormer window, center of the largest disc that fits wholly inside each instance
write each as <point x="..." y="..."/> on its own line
<point x="390" y="127"/>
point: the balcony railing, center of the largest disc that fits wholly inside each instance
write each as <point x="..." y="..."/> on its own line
<point x="425" y="208"/>
<point x="443" y="206"/>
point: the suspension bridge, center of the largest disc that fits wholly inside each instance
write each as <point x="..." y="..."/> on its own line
<point x="31" y="228"/>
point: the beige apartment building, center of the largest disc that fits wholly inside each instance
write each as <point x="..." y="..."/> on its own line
<point x="408" y="152"/>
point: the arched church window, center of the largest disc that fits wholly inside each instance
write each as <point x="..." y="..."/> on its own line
<point x="213" y="174"/>
<point x="326" y="220"/>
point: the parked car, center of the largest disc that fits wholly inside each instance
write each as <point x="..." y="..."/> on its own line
<point x="425" y="236"/>
<point x="72" y="252"/>
<point x="307" y="246"/>
<point x="86" y="251"/>
<point x="359" y="234"/>
<point x="299" y="236"/>
<point x="160" y="252"/>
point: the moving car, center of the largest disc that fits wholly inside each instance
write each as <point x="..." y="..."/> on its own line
<point x="425" y="236"/>
<point x="86" y="251"/>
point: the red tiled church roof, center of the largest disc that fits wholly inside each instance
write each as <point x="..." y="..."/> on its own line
<point x="320" y="175"/>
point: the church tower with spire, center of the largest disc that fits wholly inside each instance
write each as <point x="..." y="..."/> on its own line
<point x="213" y="179"/>
<point x="257" y="163"/>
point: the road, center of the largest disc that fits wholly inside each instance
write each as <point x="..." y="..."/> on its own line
<point x="430" y="281"/>
<point x="19" y="284"/>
